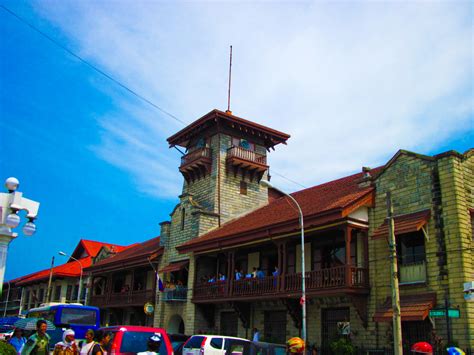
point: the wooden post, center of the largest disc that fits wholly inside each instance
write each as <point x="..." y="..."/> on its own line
<point x="348" y="237"/>
<point x="283" y="266"/>
<point x="397" y="323"/>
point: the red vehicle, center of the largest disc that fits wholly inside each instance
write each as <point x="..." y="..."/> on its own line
<point x="132" y="339"/>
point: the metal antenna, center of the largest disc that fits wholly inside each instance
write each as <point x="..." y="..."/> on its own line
<point x="230" y="81"/>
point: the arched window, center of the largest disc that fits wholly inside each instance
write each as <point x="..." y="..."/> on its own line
<point x="183" y="216"/>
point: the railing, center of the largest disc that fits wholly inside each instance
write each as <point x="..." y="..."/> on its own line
<point x="245" y="154"/>
<point x="248" y="287"/>
<point x="210" y="290"/>
<point x="176" y="294"/>
<point x="123" y="298"/>
<point x="413" y="273"/>
<point x="317" y="280"/>
<point x="195" y="155"/>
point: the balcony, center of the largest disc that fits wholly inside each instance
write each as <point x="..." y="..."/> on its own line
<point x="179" y="294"/>
<point x="196" y="164"/>
<point x="341" y="279"/>
<point x="133" y="298"/>
<point x="247" y="161"/>
<point x="412" y="273"/>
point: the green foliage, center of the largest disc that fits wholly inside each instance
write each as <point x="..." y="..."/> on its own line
<point x="7" y="349"/>
<point x="342" y="346"/>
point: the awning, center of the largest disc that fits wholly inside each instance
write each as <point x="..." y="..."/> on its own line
<point x="176" y="266"/>
<point x="406" y="223"/>
<point x="413" y="308"/>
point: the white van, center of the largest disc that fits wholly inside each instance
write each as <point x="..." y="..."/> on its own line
<point x="217" y="345"/>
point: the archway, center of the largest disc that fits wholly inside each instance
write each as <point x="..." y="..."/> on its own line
<point x="175" y="325"/>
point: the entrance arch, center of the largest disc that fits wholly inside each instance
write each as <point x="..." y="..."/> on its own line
<point x="175" y="325"/>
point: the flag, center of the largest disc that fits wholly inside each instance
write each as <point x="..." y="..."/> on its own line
<point x="159" y="283"/>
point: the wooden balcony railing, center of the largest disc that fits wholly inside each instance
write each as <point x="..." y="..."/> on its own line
<point x="342" y="277"/>
<point x="138" y="297"/>
<point x="195" y="155"/>
<point x="245" y="154"/>
<point x="249" y="287"/>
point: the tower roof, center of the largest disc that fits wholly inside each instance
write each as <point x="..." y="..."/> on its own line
<point x="220" y="121"/>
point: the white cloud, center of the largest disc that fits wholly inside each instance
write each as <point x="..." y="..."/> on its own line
<point x="351" y="82"/>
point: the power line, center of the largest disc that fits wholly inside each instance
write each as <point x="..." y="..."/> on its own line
<point x="90" y="65"/>
<point x="100" y="71"/>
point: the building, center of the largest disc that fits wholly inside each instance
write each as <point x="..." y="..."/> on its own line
<point x="123" y="283"/>
<point x="65" y="278"/>
<point x="227" y="221"/>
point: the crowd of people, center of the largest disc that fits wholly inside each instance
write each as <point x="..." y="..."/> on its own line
<point x="95" y="343"/>
<point x="239" y="274"/>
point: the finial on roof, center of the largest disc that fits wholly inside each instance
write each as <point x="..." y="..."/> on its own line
<point x="230" y="79"/>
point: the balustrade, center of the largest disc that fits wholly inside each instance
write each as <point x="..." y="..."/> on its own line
<point x="316" y="280"/>
<point x="245" y="154"/>
<point x="195" y="155"/>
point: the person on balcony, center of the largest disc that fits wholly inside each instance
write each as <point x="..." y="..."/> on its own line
<point x="260" y="274"/>
<point x="221" y="277"/>
<point x="254" y="272"/>
<point x="256" y="335"/>
<point x="238" y="274"/>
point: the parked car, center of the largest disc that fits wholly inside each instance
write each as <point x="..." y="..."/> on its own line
<point x="177" y="342"/>
<point x="131" y="339"/>
<point x="218" y="345"/>
<point x="270" y="348"/>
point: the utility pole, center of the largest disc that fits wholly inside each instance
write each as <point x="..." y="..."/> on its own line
<point x="48" y="291"/>
<point x="397" y="322"/>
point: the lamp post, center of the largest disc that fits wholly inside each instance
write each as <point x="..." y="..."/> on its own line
<point x="267" y="184"/>
<point x="80" y="278"/>
<point x="10" y="204"/>
<point x="6" y="302"/>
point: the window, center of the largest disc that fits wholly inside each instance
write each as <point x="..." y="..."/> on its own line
<point x="133" y="342"/>
<point x="78" y="316"/>
<point x="57" y="293"/>
<point x="68" y="292"/>
<point x="194" y="342"/>
<point x="291" y="262"/>
<point x="183" y="216"/>
<point x="76" y="291"/>
<point x="243" y="188"/>
<point x="216" y="343"/>
<point x="41" y="295"/>
<point x="411" y="248"/>
<point x="274" y="327"/>
<point x="243" y="143"/>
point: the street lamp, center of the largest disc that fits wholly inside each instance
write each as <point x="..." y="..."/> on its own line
<point x="10" y="204"/>
<point x="80" y="278"/>
<point x="267" y="184"/>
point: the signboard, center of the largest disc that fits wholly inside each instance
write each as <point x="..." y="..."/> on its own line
<point x="344" y="328"/>
<point x="148" y="308"/>
<point x="441" y="313"/>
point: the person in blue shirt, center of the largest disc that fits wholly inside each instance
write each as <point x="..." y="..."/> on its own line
<point x="17" y="340"/>
<point x="260" y="274"/>
<point x="238" y="275"/>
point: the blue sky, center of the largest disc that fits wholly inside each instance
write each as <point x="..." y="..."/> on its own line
<point x="352" y="82"/>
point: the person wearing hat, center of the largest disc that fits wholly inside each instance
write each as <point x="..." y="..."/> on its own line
<point x="295" y="346"/>
<point x="153" y="345"/>
<point x="68" y="346"/>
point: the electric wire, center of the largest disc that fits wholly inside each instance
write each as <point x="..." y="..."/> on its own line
<point x="90" y="65"/>
<point x="108" y="76"/>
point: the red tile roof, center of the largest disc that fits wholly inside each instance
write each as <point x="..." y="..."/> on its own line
<point x="137" y="252"/>
<point x="412" y="307"/>
<point x="320" y="204"/>
<point x="407" y="223"/>
<point x="71" y="268"/>
<point x="92" y="247"/>
<point x="273" y="137"/>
